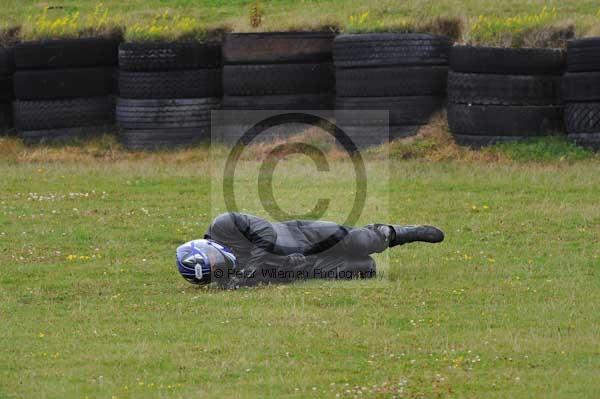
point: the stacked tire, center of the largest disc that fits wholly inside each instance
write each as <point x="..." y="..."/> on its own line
<point x="500" y="94"/>
<point x="581" y="92"/>
<point x="6" y="88"/>
<point x="276" y="71"/>
<point x="404" y="74"/>
<point x="167" y="93"/>
<point x="64" y="89"/>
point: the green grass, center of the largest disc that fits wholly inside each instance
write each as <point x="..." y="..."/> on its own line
<point x="506" y="23"/>
<point x="543" y="149"/>
<point x="92" y="306"/>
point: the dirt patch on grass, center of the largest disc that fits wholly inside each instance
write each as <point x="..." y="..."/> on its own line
<point x="10" y="36"/>
<point x="434" y="143"/>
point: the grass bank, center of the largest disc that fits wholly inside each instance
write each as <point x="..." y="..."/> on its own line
<point x="510" y="23"/>
<point x="92" y="306"/>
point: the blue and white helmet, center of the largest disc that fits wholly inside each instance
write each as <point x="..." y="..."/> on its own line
<point x="198" y="260"/>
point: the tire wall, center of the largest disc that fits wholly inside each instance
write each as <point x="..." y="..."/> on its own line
<point x="498" y="95"/>
<point x="275" y="71"/>
<point x="167" y="92"/>
<point x="581" y="92"/>
<point x="404" y="74"/>
<point x="6" y="89"/>
<point x="64" y="89"/>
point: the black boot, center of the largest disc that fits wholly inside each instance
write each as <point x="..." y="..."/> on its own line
<point x="407" y="234"/>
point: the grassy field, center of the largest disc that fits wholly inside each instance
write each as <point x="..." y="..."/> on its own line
<point x="535" y="22"/>
<point x="92" y="306"/>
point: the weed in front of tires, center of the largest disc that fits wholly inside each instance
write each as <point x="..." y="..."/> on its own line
<point x="256" y="14"/>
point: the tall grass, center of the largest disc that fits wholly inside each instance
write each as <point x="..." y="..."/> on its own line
<point x="370" y="22"/>
<point x="71" y="24"/>
<point x="543" y="29"/>
<point x="166" y="26"/>
<point x="100" y="22"/>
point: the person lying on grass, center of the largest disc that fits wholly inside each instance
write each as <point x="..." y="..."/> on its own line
<point x="245" y="250"/>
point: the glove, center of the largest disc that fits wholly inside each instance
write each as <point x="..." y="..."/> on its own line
<point x="295" y="261"/>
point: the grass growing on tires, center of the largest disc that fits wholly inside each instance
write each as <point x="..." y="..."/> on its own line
<point x="543" y="29"/>
<point x="367" y="22"/>
<point x="509" y="23"/>
<point x="92" y="305"/>
<point x="70" y="25"/>
<point x="172" y="27"/>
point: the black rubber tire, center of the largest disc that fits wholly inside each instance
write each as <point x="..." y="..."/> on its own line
<point x="278" y="47"/>
<point x="51" y="136"/>
<point x="6" y="116"/>
<point x="490" y="89"/>
<point x="583" y="55"/>
<point x="66" y="53"/>
<point x="165" y="114"/>
<point x="157" y="139"/>
<point x="64" y="83"/>
<point x="163" y="56"/>
<point x="582" y="117"/>
<point x="391" y="81"/>
<point x="410" y="110"/>
<point x="581" y="87"/>
<point x="6" y="88"/>
<point x="6" y="60"/>
<point x="498" y="120"/>
<point x="279" y="102"/>
<point x="275" y="79"/>
<point x="196" y="83"/>
<point x="507" y="61"/>
<point x="59" y="114"/>
<point x="587" y="140"/>
<point x="385" y="49"/>
<point x="475" y="141"/>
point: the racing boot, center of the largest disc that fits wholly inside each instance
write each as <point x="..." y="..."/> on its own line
<point x="406" y="234"/>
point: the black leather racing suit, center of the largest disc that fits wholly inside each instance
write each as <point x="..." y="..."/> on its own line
<point x="262" y="248"/>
